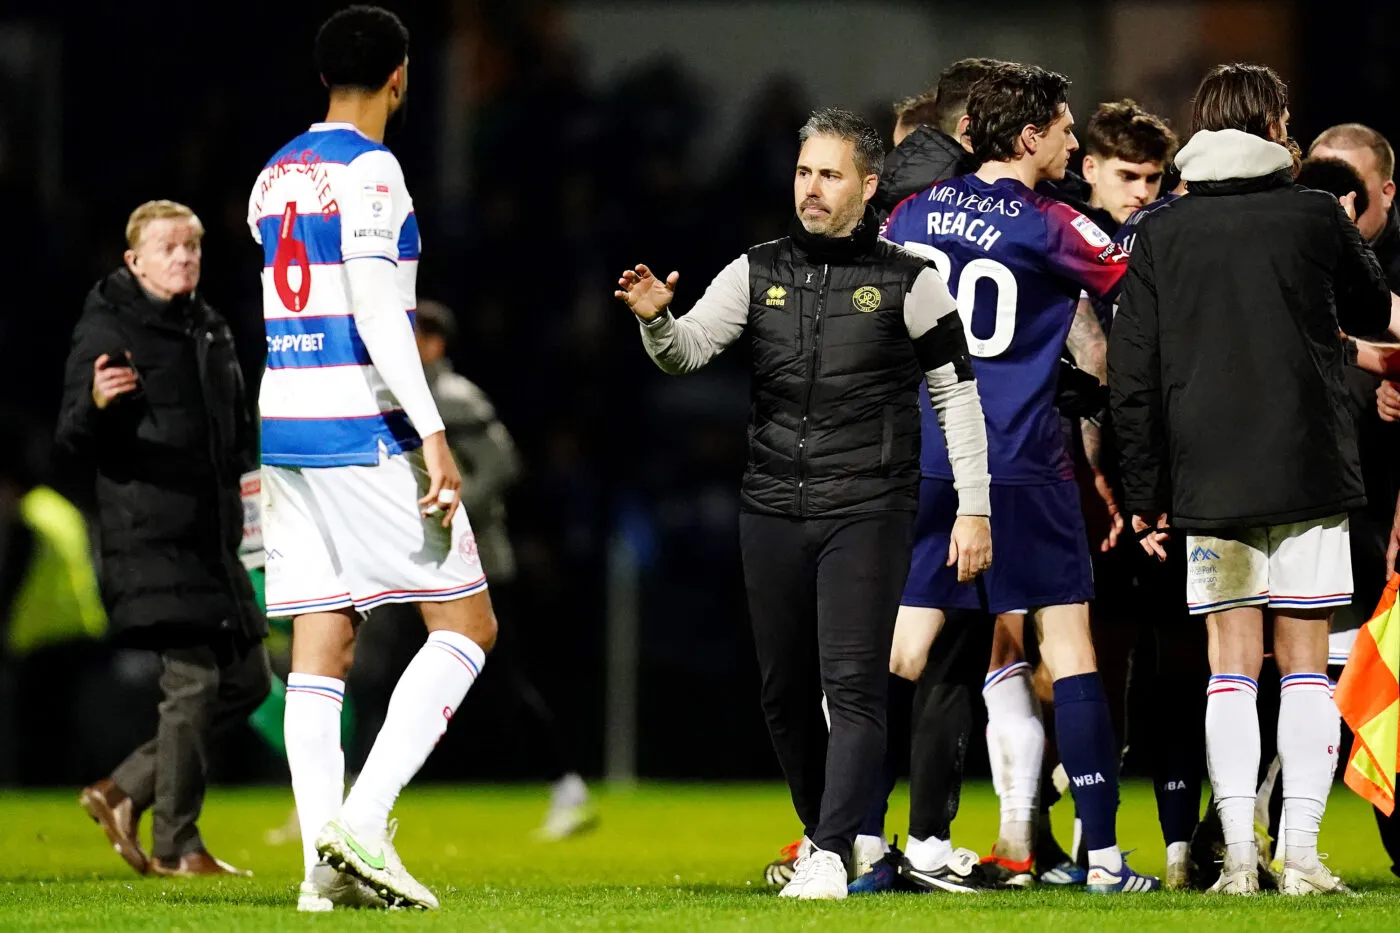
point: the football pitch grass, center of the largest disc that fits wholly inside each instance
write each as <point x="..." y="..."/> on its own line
<point x="665" y="857"/>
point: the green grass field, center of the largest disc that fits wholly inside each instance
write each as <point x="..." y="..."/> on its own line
<point x="682" y="857"/>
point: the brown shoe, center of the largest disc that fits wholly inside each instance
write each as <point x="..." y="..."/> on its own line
<point x="114" y="812"/>
<point x="193" y="864"/>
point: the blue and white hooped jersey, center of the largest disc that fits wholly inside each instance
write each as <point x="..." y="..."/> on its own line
<point x="328" y="197"/>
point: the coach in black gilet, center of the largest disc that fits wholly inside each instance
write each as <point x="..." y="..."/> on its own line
<point x="843" y="323"/>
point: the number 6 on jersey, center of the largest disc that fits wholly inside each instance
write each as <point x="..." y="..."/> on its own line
<point x="291" y="250"/>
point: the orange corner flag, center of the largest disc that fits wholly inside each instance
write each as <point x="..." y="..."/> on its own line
<point x="1368" y="697"/>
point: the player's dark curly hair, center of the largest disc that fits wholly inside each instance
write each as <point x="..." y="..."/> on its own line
<point x="1121" y="129"/>
<point x="1008" y="100"/>
<point x="359" y="47"/>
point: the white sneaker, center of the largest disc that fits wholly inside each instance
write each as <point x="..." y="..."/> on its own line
<point x="375" y="862"/>
<point x="820" y="876"/>
<point x="1237" y="879"/>
<point x="1300" y="878"/>
<point x="865" y="853"/>
<point x="570" y="812"/>
<point x="328" y="889"/>
<point x="780" y="871"/>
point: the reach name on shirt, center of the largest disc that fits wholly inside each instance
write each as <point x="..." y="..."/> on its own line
<point x="976" y="230"/>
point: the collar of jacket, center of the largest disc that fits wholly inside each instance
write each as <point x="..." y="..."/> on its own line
<point x="1224" y="155"/>
<point x="126" y="296"/>
<point x="1072" y="188"/>
<point x="1280" y="179"/>
<point x="827" y="249"/>
<point x="925" y="157"/>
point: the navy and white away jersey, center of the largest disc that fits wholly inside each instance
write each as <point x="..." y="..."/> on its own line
<point x="1017" y="262"/>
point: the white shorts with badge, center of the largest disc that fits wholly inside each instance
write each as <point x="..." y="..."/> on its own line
<point x="1304" y="565"/>
<point x="353" y="536"/>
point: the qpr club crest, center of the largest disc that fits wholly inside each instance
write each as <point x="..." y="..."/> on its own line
<point x="866" y="298"/>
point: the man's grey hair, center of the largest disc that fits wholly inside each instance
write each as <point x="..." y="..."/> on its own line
<point x="869" y="150"/>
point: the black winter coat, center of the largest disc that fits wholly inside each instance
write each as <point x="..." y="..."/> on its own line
<point x="921" y="160"/>
<point x="1225" y="365"/>
<point x="167" y="461"/>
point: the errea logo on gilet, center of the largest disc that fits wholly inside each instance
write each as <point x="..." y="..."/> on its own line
<point x="777" y="296"/>
<point x="1203" y="553"/>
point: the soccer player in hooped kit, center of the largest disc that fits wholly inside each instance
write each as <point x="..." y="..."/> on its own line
<point x="360" y="501"/>
<point x="1017" y="262"/>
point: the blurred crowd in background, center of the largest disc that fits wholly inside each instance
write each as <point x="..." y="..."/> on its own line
<point x="548" y="145"/>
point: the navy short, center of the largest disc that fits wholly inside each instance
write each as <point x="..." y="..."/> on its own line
<point x="1040" y="551"/>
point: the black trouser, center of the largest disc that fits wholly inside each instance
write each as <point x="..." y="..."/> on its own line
<point x="206" y="689"/>
<point x="823" y="594"/>
<point x="945" y="709"/>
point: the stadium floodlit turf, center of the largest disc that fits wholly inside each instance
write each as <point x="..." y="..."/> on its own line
<point x="683" y="857"/>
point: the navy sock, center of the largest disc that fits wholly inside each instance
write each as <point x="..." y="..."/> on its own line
<point x="1178" y="806"/>
<point x="1178" y="761"/>
<point x="1090" y="755"/>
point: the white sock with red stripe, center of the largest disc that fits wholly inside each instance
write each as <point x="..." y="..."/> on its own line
<point x="427" y="695"/>
<point x="1016" y="743"/>
<point x="1309" y="731"/>
<point x="311" y="729"/>
<point x="1232" y="753"/>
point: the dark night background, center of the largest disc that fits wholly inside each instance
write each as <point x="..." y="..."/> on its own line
<point x="540" y="168"/>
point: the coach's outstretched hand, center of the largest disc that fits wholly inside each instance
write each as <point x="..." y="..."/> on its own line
<point x="644" y="293"/>
<point x="970" y="546"/>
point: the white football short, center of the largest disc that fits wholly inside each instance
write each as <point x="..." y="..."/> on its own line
<point x="1304" y="565"/>
<point x="347" y="536"/>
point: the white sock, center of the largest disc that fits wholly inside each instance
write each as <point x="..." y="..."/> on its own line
<point x="568" y="791"/>
<point x="1110" y="859"/>
<point x="1178" y="852"/>
<point x="1016" y="740"/>
<point x="311" y="729"/>
<point x="1232" y="754"/>
<point x="928" y="854"/>
<point x="1309" y="730"/>
<point x="427" y="696"/>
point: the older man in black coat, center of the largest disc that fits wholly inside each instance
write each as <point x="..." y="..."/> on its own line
<point x="154" y="404"/>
